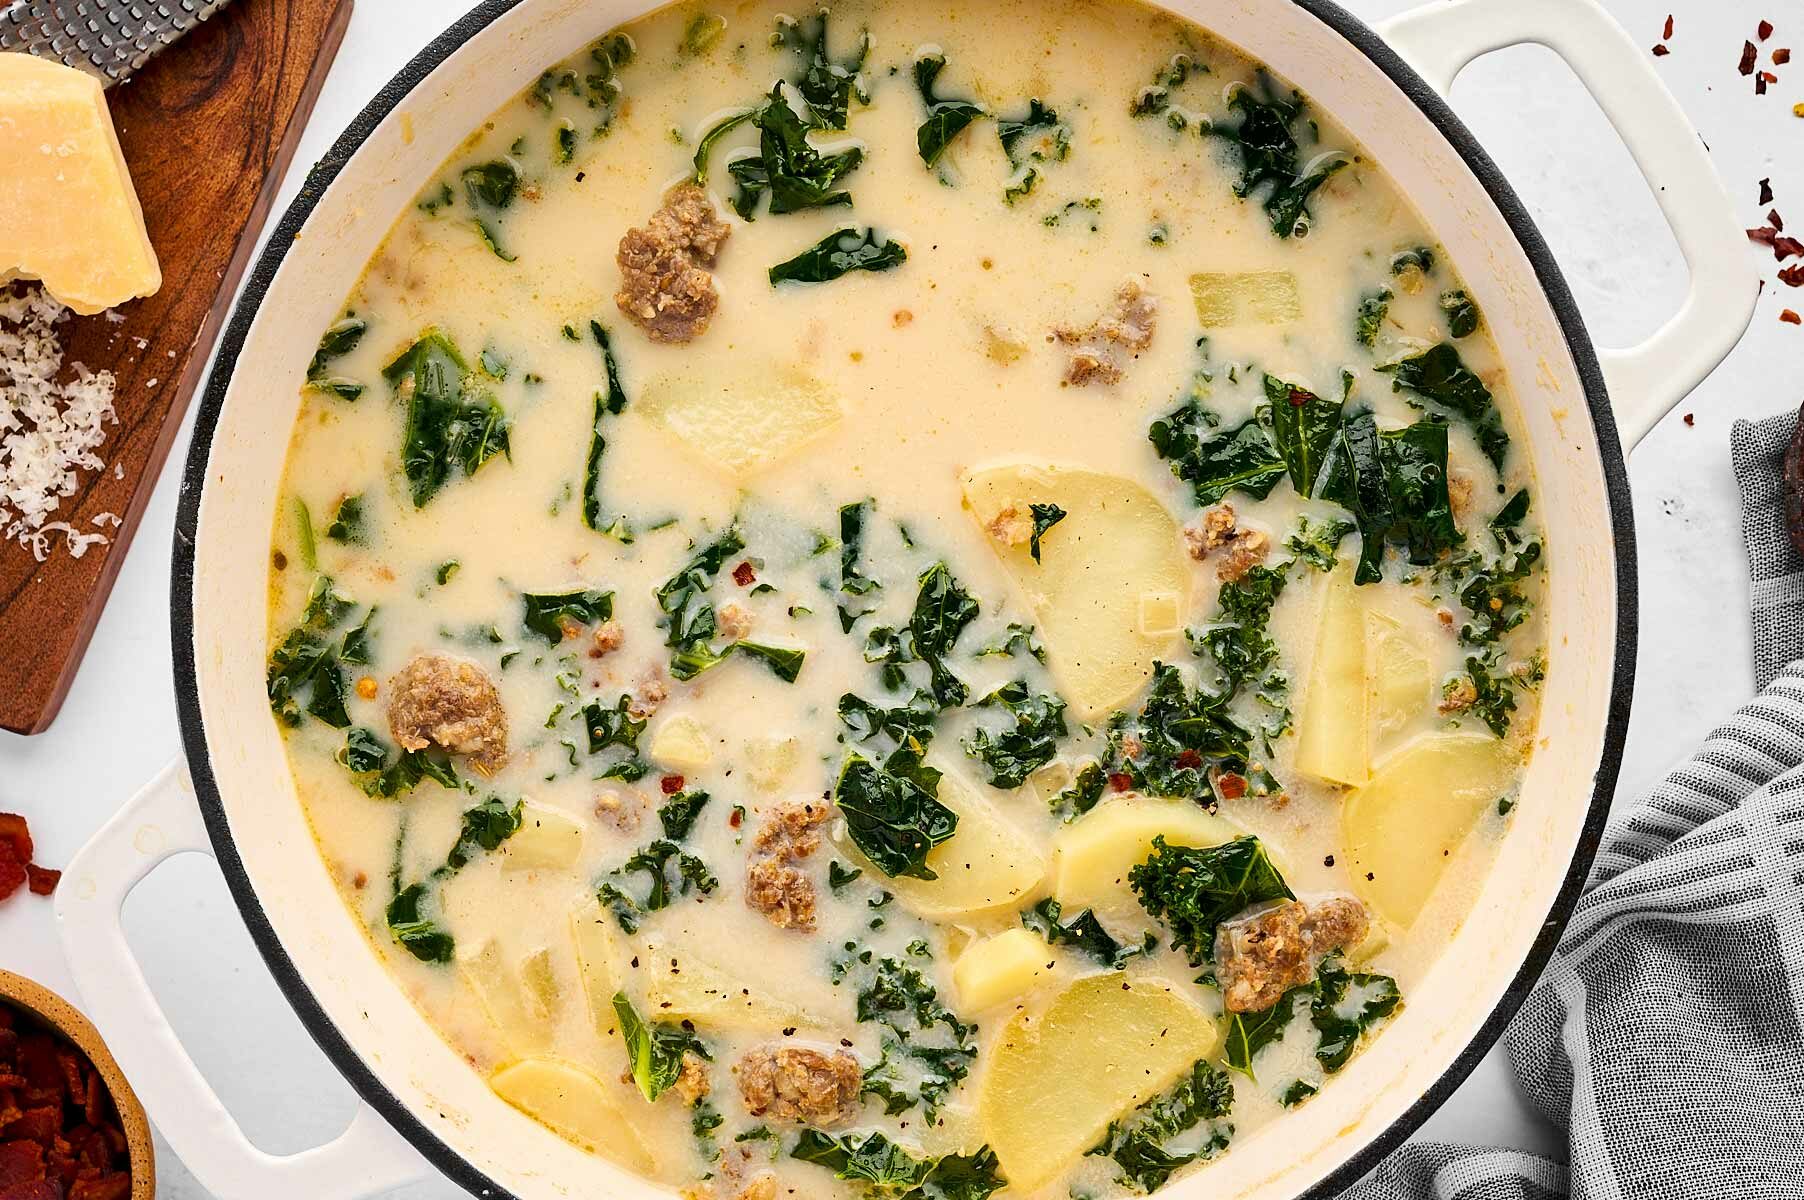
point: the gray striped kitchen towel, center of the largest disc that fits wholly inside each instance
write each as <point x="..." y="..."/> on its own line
<point x="1666" y="1038"/>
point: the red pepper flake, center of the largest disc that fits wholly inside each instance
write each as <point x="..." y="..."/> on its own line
<point x="744" y="575"/>
<point x="1666" y="31"/>
<point x="670" y="785"/>
<point x="1121" y="781"/>
<point x="1299" y="397"/>
<point x="1762" y="80"/>
<point x="1660" y="51"/>
<point x="1764" y="29"/>
<point x="1748" y="57"/>
<point x="1766" y="192"/>
<point x="736" y="817"/>
<point x="1189" y="758"/>
<point x="1231" y="786"/>
<point x="1791" y="318"/>
<point x="1787" y="247"/>
<point x="1781" y="56"/>
<point x="1792" y="276"/>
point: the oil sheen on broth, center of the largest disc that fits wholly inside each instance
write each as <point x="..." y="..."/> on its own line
<point x="1017" y="559"/>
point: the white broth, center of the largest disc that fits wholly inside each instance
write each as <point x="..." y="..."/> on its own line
<point x="738" y="675"/>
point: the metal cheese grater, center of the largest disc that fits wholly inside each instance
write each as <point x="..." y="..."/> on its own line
<point x="109" y="39"/>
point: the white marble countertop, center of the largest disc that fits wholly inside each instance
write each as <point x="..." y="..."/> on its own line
<point x="119" y="725"/>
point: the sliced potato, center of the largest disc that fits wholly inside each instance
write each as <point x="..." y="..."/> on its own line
<point x="733" y="990"/>
<point x="986" y="863"/>
<point x="1001" y="968"/>
<point x="1402" y="828"/>
<point x="1333" y="738"/>
<point x="599" y="964"/>
<point x="573" y="1104"/>
<point x="544" y="995"/>
<point x="1101" y="637"/>
<point x="1246" y="298"/>
<point x="768" y="761"/>
<point x="1057" y="1078"/>
<point x="546" y="838"/>
<point x="742" y="421"/>
<point x="1398" y="668"/>
<point x="1091" y="856"/>
<point x="682" y="745"/>
<point x="497" y="986"/>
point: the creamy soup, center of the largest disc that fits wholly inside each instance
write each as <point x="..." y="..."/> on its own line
<point x="939" y="599"/>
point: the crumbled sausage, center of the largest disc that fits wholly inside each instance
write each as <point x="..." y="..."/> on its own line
<point x="648" y="696"/>
<point x="1096" y="355"/>
<point x="1263" y="954"/>
<point x="1457" y="695"/>
<point x="623" y="812"/>
<point x="1216" y="529"/>
<point x="608" y="638"/>
<point x="1459" y="494"/>
<point x="784" y="894"/>
<point x="437" y="700"/>
<point x="799" y="1084"/>
<point x="1012" y="526"/>
<point x="774" y="885"/>
<point x="666" y="287"/>
<point x="1246" y="551"/>
<point x="692" y="1080"/>
<point x="735" y="622"/>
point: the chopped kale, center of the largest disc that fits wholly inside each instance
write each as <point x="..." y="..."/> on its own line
<point x="340" y="338"/>
<point x="826" y="85"/>
<point x="943" y="609"/>
<point x="1016" y="639"/>
<point x="705" y="147"/>
<point x="348" y="521"/>
<point x="1139" y="1143"/>
<point x="1303" y="427"/>
<point x="492" y="184"/>
<point x="555" y="615"/>
<point x="1438" y="375"/>
<point x="839" y="875"/>
<point x="1250" y="1032"/>
<point x="610" y="403"/>
<point x="654" y="1050"/>
<point x="785" y="662"/>
<point x="912" y="721"/>
<point x="689" y="614"/>
<point x="839" y="254"/>
<point x="1417" y="258"/>
<point x="1270" y="161"/>
<point x="1394" y="483"/>
<point x="1020" y="749"/>
<point x="671" y="872"/>
<point x="1237" y="639"/>
<point x="1298" y="1092"/>
<point x="1045" y="517"/>
<point x="391" y="779"/>
<point x="1460" y="311"/>
<point x="853" y="582"/>
<point x="892" y="813"/>
<point x="1344" y="1006"/>
<point x="419" y="936"/>
<point x="1214" y="463"/>
<point x="1193" y="889"/>
<point x="612" y="726"/>
<point x="946" y="119"/>
<point x="1368" y="319"/>
<point x="1318" y="544"/>
<point x="451" y="426"/>
<point x="1083" y="793"/>
<point x="1489" y="586"/>
<point x="927" y="1050"/>
<point x="1185" y="738"/>
<point x="363" y="751"/>
<point x="305" y="670"/>
<point x="1037" y="137"/>
<point x="890" y="1171"/>
<point x="787" y="166"/>
<point x="485" y="827"/>
<point x="677" y="815"/>
<point x="1155" y="99"/>
<point x="1083" y="932"/>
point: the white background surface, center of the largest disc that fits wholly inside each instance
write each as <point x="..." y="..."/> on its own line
<point x="119" y="723"/>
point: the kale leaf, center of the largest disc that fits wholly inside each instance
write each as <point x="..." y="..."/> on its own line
<point x="610" y="403"/>
<point x="555" y="615"/>
<point x="1020" y="749"/>
<point x="1084" y="931"/>
<point x="612" y="726"/>
<point x="1303" y="426"/>
<point x="1045" y="517"/>
<point x="853" y="582"/>
<point x="341" y="337"/>
<point x="839" y="254"/>
<point x="1270" y="158"/>
<point x="785" y="662"/>
<point x="927" y="1050"/>
<point x="491" y="188"/>
<point x="419" y="936"/>
<point x="484" y="827"/>
<point x="1460" y="311"/>
<point x="656" y="860"/>
<point x="892" y="812"/>
<point x="1178" y="741"/>
<point x="1394" y="483"/>
<point x="1250" y="1032"/>
<point x="797" y="176"/>
<point x="890" y="1171"/>
<point x="1318" y="544"/>
<point x="688" y="613"/>
<point x="943" y="609"/>
<point x="307" y="663"/>
<point x="1213" y="463"/>
<point x="677" y="815"/>
<point x="451" y="426"/>
<point x="1439" y="375"/>
<point x="1237" y="638"/>
<point x="1193" y="889"/>
<point x="1016" y="639"/>
<point x="1368" y="319"/>
<point x="946" y="119"/>
<point x="348" y="521"/>
<point x="1343" y="1005"/>
<point x="827" y="86"/>
<point x="1138" y="1142"/>
<point x="1083" y="793"/>
<point x="654" y="1050"/>
<point x="911" y="721"/>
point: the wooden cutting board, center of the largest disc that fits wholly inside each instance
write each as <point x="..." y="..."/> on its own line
<point x="208" y="128"/>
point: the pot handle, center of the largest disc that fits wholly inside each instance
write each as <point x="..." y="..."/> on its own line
<point x="161" y="821"/>
<point x="1645" y="381"/>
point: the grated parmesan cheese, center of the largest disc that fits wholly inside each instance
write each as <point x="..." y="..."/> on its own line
<point x="49" y="430"/>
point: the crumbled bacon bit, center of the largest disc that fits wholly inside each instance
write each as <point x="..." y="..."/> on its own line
<point x="1121" y="781"/>
<point x="1189" y="758"/>
<point x="16" y="871"/>
<point x="736" y="818"/>
<point x="670" y="785"/>
<point x="1666" y="30"/>
<point x="1766" y="191"/>
<point x="1791" y="318"/>
<point x="1792" y="276"/>
<point x="59" y="1133"/>
<point x="1773" y="219"/>
<point x="1781" y="56"/>
<point x="41" y="880"/>
<point x="744" y="575"/>
<point x="1660" y="51"/>
<point x="1230" y="786"/>
<point x="1690" y="419"/>
<point x="1762" y="80"/>
<point x="1748" y="54"/>
<point x="1764" y="29"/>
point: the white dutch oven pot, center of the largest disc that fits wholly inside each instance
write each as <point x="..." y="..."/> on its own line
<point x="1386" y="89"/>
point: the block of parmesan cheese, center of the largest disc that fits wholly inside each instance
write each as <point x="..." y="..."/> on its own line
<point x="68" y="213"/>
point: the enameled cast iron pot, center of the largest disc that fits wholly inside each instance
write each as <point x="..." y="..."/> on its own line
<point x="233" y="796"/>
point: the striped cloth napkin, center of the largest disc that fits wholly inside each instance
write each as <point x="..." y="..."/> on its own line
<point x="1666" y="1038"/>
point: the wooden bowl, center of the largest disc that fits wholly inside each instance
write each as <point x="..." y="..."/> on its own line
<point x="58" y="1014"/>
